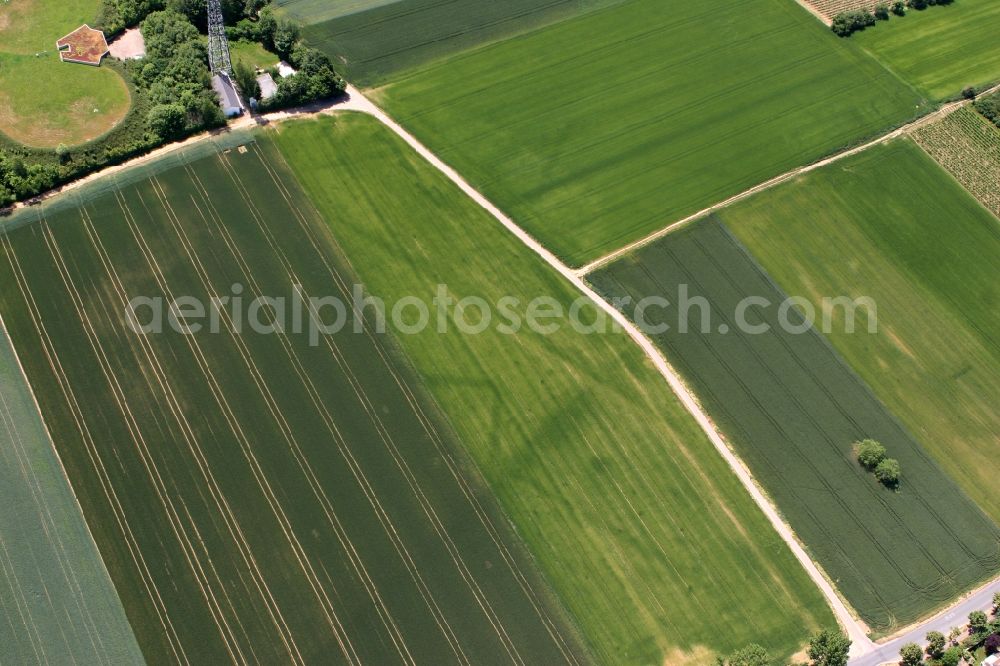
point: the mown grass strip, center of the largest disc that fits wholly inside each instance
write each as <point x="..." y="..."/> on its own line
<point x="640" y="525"/>
<point x="794" y="410"/>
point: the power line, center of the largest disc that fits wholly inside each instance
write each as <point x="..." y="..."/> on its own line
<point x="218" y="45"/>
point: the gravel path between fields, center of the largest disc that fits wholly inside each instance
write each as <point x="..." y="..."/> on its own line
<point x="855" y="629"/>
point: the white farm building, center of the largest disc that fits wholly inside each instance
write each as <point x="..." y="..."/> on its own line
<point x="229" y="99"/>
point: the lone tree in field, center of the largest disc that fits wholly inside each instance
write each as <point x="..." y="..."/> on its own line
<point x="870" y="453"/>
<point x="911" y="655"/>
<point x="829" y="648"/>
<point x="935" y="644"/>
<point x="887" y="472"/>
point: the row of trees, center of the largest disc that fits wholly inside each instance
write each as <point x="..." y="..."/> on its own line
<point x="846" y="24"/>
<point x="990" y="107"/>
<point x="827" y="648"/>
<point x="872" y="456"/>
<point x="950" y="650"/>
<point x="116" y="15"/>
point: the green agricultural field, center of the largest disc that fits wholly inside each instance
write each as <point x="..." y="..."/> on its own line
<point x="892" y="225"/>
<point x="371" y="46"/>
<point x="317" y="11"/>
<point x="597" y="131"/>
<point x="942" y="49"/>
<point x="644" y="531"/>
<point x="793" y="410"/>
<point x="57" y="603"/>
<point x="257" y="497"/>
<point x="77" y="103"/>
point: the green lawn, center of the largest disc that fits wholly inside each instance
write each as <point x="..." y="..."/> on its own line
<point x="57" y="604"/>
<point x="258" y="498"/>
<point x="76" y="104"/>
<point x="942" y="49"/>
<point x="599" y="130"/>
<point x="646" y="534"/>
<point x="793" y="410"/>
<point x="252" y="54"/>
<point x="892" y="225"/>
<point x="31" y="26"/>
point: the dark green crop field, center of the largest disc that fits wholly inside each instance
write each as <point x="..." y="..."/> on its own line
<point x="645" y="533"/>
<point x="256" y="497"/>
<point x="373" y="45"/>
<point x="793" y="409"/>
<point x="890" y="224"/>
<point x="596" y="131"/>
<point x="57" y="603"/>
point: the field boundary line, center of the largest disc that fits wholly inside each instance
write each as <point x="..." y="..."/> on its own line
<point x="931" y="117"/>
<point x="854" y="628"/>
<point x="76" y="500"/>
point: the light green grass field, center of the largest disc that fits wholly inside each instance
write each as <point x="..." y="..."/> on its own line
<point x="258" y="498"/>
<point x="75" y="104"/>
<point x="43" y="101"/>
<point x="892" y="225"/>
<point x="57" y="603"/>
<point x="596" y="131"/>
<point x="646" y="534"/>
<point x="942" y="49"/>
<point x="252" y="54"/>
<point x="31" y="26"/>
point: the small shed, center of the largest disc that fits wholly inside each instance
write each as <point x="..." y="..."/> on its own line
<point x="229" y="99"/>
<point x="992" y="660"/>
<point x="285" y="70"/>
<point x="268" y="87"/>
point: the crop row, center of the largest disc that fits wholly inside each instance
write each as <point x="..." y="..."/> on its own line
<point x="968" y="146"/>
<point x="830" y="8"/>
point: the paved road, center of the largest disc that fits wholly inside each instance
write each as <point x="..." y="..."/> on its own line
<point x="956" y="616"/>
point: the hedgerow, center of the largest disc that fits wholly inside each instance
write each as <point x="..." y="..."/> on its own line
<point x="847" y="23"/>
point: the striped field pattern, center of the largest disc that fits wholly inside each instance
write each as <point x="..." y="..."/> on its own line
<point x="257" y="498"/>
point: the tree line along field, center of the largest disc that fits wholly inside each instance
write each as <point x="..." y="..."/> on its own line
<point x="596" y="131"/>
<point x="386" y="38"/>
<point x="257" y="498"/>
<point x="940" y="50"/>
<point x="968" y="146"/>
<point x="645" y="533"/>
<point x="890" y="224"/>
<point x="793" y="410"/>
<point x="57" y="603"/>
